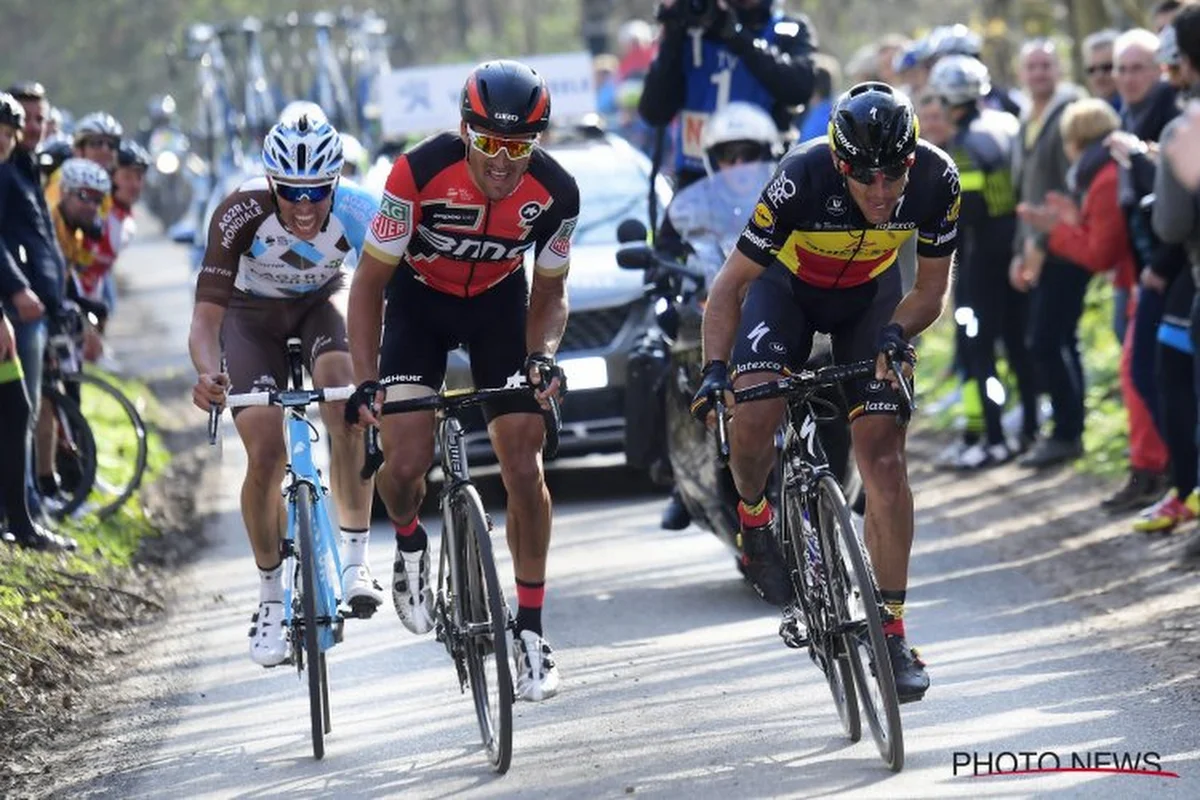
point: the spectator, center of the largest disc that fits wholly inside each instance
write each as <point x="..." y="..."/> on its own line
<point x="1097" y="238"/>
<point x="1168" y="58"/>
<point x="1148" y="103"/>
<point x="1176" y="214"/>
<point x="988" y="308"/>
<point x="30" y="286"/>
<point x="910" y="67"/>
<point x="934" y="118"/>
<point x="1040" y="166"/>
<point x="635" y="41"/>
<point x="747" y="51"/>
<point x="1098" y="64"/>
<point x="827" y="75"/>
<point x="889" y="46"/>
<point x="604" y="79"/>
<point x="1164" y="12"/>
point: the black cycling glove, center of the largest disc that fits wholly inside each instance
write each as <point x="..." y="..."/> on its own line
<point x="547" y="370"/>
<point x="364" y="395"/>
<point x="714" y="382"/>
<point x="891" y="343"/>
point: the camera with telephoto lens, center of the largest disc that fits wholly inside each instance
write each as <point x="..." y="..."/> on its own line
<point x="690" y="13"/>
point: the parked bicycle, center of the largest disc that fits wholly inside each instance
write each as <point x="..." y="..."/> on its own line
<point x="97" y="474"/>
<point x="311" y="602"/>
<point x="836" y="611"/>
<point x="471" y="616"/>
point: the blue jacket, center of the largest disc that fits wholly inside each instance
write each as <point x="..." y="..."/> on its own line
<point x="30" y="258"/>
<point x="769" y="67"/>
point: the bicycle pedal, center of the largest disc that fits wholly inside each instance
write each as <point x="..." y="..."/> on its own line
<point x="789" y="631"/>
<point x="363" y="608"/>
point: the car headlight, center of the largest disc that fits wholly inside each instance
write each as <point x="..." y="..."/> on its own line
<point x="585" y="373"/>
<point x="167" y="163"/>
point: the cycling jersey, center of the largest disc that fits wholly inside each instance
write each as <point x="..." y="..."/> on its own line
<point x="434" y="220"/>
<point x="250" y="250"/>
<point x="807" y="221"/>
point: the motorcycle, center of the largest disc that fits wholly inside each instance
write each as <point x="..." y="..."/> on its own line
<point x="665" y="369"/>
<point x="171" y="179"/>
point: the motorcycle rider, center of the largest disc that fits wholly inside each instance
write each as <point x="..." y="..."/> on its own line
<point x="739" y="133"/>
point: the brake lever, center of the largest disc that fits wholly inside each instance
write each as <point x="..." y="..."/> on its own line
<point x="372" y="455"/>
<point x="906" y="394"/>
<point x="214" y="420"/>
<point x="722" y="430"/>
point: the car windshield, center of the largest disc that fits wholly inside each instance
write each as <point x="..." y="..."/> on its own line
<point x="611" y="189"/>
<point x="711" y="213"/>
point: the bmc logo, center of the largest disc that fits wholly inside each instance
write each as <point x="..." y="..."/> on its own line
<point x="463" y="248"/>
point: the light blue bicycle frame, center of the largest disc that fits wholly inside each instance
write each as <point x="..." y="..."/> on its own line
<point x="301" y="469"/>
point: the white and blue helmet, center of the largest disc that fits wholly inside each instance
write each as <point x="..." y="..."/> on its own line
<point x="82" y="173"/>
<point x="302" y="149"/>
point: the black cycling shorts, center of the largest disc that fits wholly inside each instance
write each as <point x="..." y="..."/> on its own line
<point x="423" y="325"/>
<point x="781" y="313"/>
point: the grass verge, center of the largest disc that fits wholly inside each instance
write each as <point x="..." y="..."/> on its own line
<point x="1106" y="434"/>
<point x="58" y="611"/>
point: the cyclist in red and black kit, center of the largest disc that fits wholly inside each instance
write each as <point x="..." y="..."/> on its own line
<point x="447" y="247"/>
<point x="819" y="254"/>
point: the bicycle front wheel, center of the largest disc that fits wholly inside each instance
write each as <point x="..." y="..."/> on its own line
<point x="314" y="659"/>
<point x="484" y="615"/>
<point x="857" y="603"/>
<point x="74" y="455"/>
<point x="121" y="454"/>
<point x="812" y="594"/>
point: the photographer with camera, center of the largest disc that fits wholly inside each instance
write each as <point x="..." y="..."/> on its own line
<point x="717" y="51"/>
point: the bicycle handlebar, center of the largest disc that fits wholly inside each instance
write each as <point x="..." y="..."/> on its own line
<point x="809" y="380"/>
<point x="273" y="397"/>
<point x="453" y="402"/>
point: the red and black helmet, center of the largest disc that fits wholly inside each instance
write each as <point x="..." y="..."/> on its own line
<point x="506" y="97"/>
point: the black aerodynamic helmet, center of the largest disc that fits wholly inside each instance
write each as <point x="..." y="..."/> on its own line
<point x="872" y="126"/>
<point x="506" y="97"/>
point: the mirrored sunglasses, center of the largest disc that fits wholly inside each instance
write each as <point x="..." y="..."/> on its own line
<point x="491" y="145"/>
<point x="297" y="194"/>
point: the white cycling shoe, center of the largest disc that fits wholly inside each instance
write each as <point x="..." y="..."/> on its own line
<point x="361" y="591"/>
<point x="411" y="592"/>
<point x="269" y="642"/>
<point x="537" y="674"/>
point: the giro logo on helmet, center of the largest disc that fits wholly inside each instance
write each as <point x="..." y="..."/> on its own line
<point x="504" y="116"/>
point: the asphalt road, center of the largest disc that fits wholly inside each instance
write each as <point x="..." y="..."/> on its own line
<point x="674" y="680"/>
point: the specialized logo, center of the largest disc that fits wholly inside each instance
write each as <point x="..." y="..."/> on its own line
<point x="756" y="335"/>
<point x="842" y="141"/>
<point x="763" y="217"/>
<point x="808" y="431"/>
<point x="782" y="188"/>
<point x="835" y="205"/>
<point x="560" y="245"/>
<point x="394" y="218"/>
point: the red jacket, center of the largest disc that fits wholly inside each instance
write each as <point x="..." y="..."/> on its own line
<point x="1100" y="241"/>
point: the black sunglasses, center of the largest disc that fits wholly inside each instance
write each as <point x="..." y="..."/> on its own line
<point x="1095" y="68"/>
<point x="891" y="173"/>
<point x="730" y="152"/>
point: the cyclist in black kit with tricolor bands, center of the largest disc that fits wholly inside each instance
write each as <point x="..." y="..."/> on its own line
<point x="818" y="255"/>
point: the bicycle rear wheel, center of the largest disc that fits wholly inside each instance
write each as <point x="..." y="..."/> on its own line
<point x="484" y="616"/>
<point x="314" y="659"/>
<point x="820" y="617"/>
<point x="857" y="604"/>
<point x="74" y="455"/>
<point x="121" y="454"/>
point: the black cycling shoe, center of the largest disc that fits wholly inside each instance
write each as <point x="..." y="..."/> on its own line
<point x="763" y="564"/>
<point x="909" y="671"/>
<point x="675" y="517"/>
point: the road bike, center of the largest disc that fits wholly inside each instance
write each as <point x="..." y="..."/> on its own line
<point x="471" y="616"/>
<point x="312" y="596"/>
<point x="837" y="611"/>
